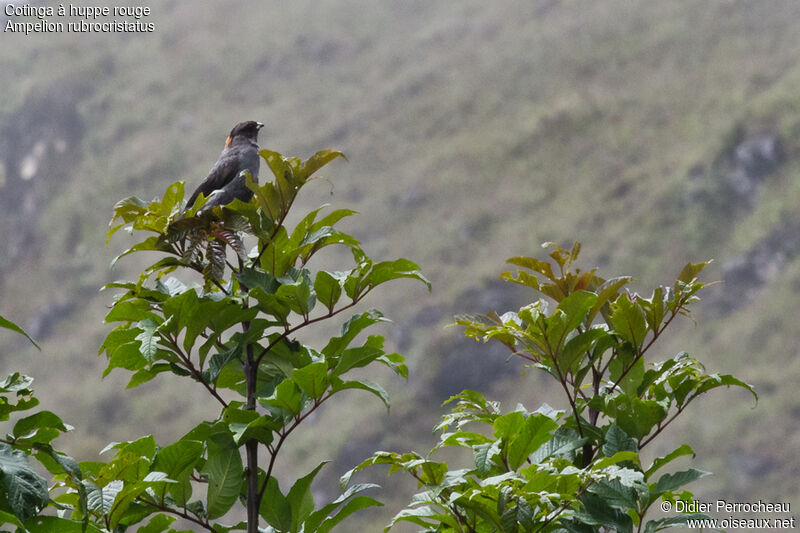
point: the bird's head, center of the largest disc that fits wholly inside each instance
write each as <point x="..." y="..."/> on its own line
<point x="248" y="130"/>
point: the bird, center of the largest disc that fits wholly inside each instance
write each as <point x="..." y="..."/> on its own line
<point x="226" y="180"/>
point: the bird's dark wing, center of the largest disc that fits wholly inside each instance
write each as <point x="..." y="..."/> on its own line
<point x="236" y="188"/>
<point x="225" y="169"/>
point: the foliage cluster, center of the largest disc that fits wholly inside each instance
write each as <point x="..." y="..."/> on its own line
<point x="580" y="469"/>
<point x="236" y="335"/>
<point x="237" y="331"/>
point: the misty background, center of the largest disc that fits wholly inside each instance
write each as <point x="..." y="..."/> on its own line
<point x="656" y="133"/>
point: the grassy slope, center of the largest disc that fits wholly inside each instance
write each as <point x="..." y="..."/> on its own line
<point x="480" y="129"/>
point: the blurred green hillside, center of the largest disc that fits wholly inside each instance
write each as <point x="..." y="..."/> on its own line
<point x="474" y="131"/>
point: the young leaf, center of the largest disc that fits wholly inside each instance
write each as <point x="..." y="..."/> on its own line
<point x="691" y="270"/>
<point x="628" y="320"/>
<point x="576" y="307"/>
<point x="317" y="161"/>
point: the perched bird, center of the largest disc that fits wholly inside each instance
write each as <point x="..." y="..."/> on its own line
<point x="226" y="181"/>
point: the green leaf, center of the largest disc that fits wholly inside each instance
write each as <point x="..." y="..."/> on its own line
<point x="158" y="524"/>
<point x="296" y="292"/>
<point x="25" y="491"/>
<point x="362" y="384"/>
<point x="617" y="440"/>
<point x="132" y="461"/>
<point x="389" y="270"/>
<point x="628" y="320"/>
<point x="597" y="512"/>
<point x="659" y="462"/>
<point x="128" y="210"/>
<point x="5" y="323"/>
<point x="619" y="457"/>
<point x="576" y="306"/>
<point x="533" y="433"/>
<point x="219" y="360"/>
<point x="144" y="375"/>
<point x="579" y="345"/>
<point x="537" y="265"/>
<point x="16" y="382"/>
<point x="562" y="444"/>
<point x="154" y="243"/>
<point x="633" y="370"/>
<point x="54" y="524"/>
<point x="127" y="356"/>
<point x="131" y="311"/>
<point x="312" y="523"/>
<point x="275" y="507"/>
<point x="691" y="270"/>
<point x="40" y="420"/>
<point x="287" y="396"/>
<point x="352" y="506"/>
<point x="328" y="288"/>
<point x="680" y="520"/>
<point x="63" y="463"/>
<point x="246" y="424"/>
<point x="124" y="500"/>
<point x="177" y="461"/>
<point x="725" y="380"/>
<point x="359" y="357"/>
<point x="484" y="456"/>
<point x="317" y="161"/>
<point x="655" y="309"/>
<point x="350" y="330"/>
<point x="615" y="494"/>
<point x="149" y="339"/>
<point x="177" y="457"/>
<point x="101" y="499"/>
<point x="312" y="379"/>
<point x="396" y="362"/>
<point x="224" y="470"/>
<point x="300" y="498"/>
<point x="634" y="416"/>
<point x="669" y="482"/>
<point x="508" y="425"/>
<point x="252" y="278"/>
<point x="607" y="292"/>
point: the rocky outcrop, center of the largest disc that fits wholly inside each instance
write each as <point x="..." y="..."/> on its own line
<point x="733" y="180"/>
<point x="747" y="273"/>
<point x="754" y="158"/>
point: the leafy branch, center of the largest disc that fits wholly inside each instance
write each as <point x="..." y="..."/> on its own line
<point x="578" y="470"/>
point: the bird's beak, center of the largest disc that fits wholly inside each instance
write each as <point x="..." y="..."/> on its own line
<point x="259" y="125"/>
